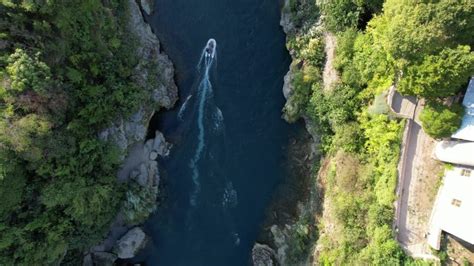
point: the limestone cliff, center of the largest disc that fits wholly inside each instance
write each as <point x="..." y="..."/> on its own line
<point x="285" y="241"/>
<point x="155" y="75"/>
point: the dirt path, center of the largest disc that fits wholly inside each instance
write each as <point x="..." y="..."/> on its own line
<point x="329" y="73"/>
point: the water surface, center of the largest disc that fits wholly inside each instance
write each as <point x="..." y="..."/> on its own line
<point x="230" y="145"/>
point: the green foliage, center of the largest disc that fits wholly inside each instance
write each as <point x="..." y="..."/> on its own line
<point x="302" y="12"/>
<point x="347" y="137"/>
<point x="343" y="61"/>
<point x="332" y="109"/>
<point x="439" y="75"/>
<point x="66" y="72"/>
<point x="409" y="30"/>
<point x="416" y="42"/>
<point x="379" y="106"/>
<point x="27" y="136"/>
<point x="27" y="73"/>
<point x="440" y="121"/>
<point x="360" y="189"/>
<point x="12" y="184"/>
<point x="139" y="203"/>
<point x="343" y="14"/>
<point x="424" y="49"/>
<point x="302" y="235"/>
<point x="298" y="99"/>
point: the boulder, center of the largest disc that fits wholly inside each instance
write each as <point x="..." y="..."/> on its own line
<point x="287" y="84"/>
<point x="160" y="145"/>
<point x="128" y="245"/>
<point x="142" y="178"/>
<point x="87" y="261"/>
<point x="146" y="6"/>
<point x="104" y="258"/>
<point x="153" y="155"/>
<point x="263" y="255"/>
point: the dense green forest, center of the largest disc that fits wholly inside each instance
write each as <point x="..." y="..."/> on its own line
<point x="423" y="48"/>
<point x="65" y="69"/>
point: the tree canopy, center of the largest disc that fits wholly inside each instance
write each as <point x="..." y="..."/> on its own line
<point x="440" y="121"/>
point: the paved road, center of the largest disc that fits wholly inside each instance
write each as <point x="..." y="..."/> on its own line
<point x="404" y="232"/>
<point x="410" y="233"/>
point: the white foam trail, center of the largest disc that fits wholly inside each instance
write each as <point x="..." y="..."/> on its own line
<point x="204" y="88"/>
<point x="183" y="108"/>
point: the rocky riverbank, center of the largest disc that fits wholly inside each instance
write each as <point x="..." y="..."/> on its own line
<point x="139" y="171"/>
<point x="290" y="228"/>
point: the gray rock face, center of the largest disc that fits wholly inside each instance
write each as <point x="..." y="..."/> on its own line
<point x="285" y="20"/>
<point x="149" y="51"/>
<point x="155" y="75"/>
<point x="287" y="84"/>
<point x="99" y="258"/>
<point x="125" y="132"/>
<point x="140" y="164"/>
<point x="153" y="155"/>
<point x="103" y="258"/>
<point x="87" y="261"/>
<point x="262" y="255"/>
<point x="128" y="245"/>
<point x="146" y="6"/>
<point x="160" y="145"/>
<point x="280" y="238"/>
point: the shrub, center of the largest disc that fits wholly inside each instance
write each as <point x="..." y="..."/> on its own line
<point x="439" y="75"/>
<point x="139" y="203"/>
<point x="440" y="121"/>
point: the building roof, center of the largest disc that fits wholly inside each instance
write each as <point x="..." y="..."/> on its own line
<point x="466" y="131"/>
<point x="456" y="152"/>
<point x="453" y="209"/>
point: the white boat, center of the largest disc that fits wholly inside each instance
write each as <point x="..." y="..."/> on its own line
<point x="210" y="49"/>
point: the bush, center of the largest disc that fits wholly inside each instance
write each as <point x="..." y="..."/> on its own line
<point x="139" y="203"/>
<point x="343" y="14"/>
<point x="440" y="121"/>
<point x="66" y="72"/>
<point x="439" y="75"/>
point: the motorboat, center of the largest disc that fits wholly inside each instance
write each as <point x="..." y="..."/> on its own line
<point x="210" y="50"/>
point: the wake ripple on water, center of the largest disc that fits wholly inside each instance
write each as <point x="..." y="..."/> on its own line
<point x="183" y="108"/>
<point x="218" y="120"/>
<point x="229" y="198"/>
<point x="204" y="93"/>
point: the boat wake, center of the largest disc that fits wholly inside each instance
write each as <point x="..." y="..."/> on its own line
<point x="204" y="93"/>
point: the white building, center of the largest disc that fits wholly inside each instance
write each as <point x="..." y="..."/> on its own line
<point x="453" y="211"/>
<point x="466" y="131"/>
<point x="455" y="152"/>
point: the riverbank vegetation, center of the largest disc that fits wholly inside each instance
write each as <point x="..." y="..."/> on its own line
<point x="66" y="73"/>
<point x="421" y="48"/>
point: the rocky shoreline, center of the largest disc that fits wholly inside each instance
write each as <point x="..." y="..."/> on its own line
<point x="139" y="170"/>
<point x="280" y="236"/>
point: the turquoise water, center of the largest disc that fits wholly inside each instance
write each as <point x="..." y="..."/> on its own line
<point x="230" y="143"/>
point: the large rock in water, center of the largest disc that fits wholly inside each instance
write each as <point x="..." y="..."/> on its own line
<point x="262" y="255"/>
<point x="129" y="245"/>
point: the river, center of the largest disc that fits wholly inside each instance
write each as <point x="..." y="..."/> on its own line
<point x="230" y="145"/>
